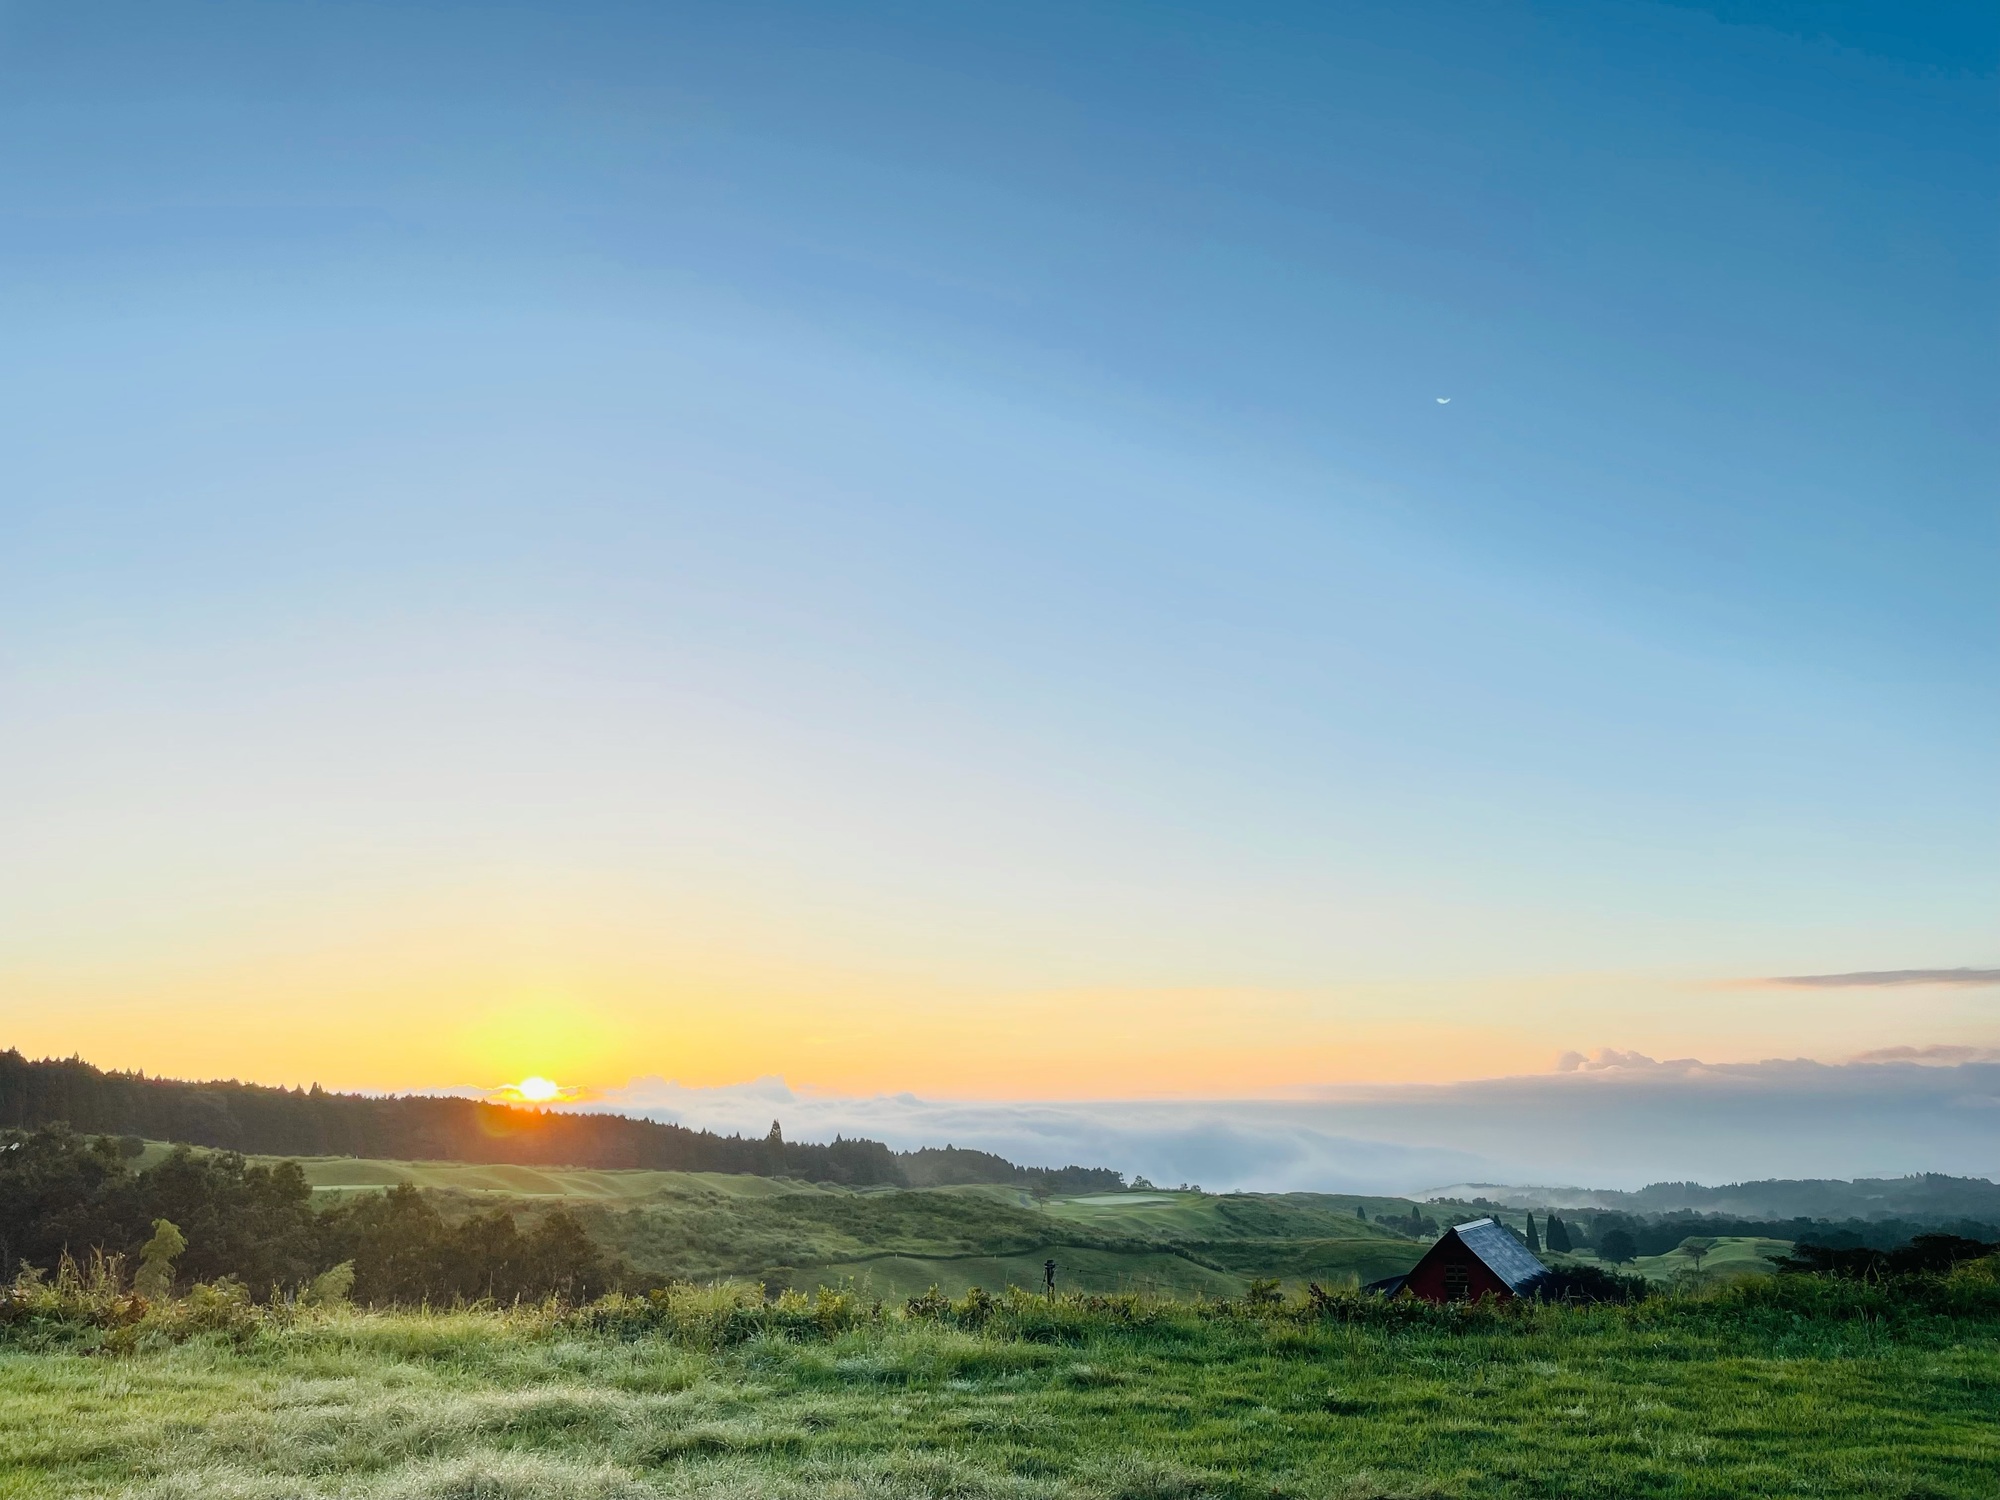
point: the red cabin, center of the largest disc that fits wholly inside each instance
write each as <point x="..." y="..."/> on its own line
<point x="1470" y="1261"/>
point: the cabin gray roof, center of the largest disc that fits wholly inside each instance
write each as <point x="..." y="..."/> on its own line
<point x="1505" y="1256"/>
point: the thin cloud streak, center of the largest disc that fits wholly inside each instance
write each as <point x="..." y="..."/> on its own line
<point x="1936" y="1055"/>
<point x="1884" y="978"/>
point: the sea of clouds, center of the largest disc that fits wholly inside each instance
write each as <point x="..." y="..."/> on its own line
<point x="1615" y="1119"/>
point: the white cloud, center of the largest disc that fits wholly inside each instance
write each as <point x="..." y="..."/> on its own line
<point x="1885" y="978"/>
<point x="1216" y="1144"/>
<point x="1611" y="1060"/>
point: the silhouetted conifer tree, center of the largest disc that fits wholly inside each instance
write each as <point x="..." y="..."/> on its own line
<point x="1558" y="1233"/>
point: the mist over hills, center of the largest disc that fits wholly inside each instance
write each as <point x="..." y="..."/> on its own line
<point x="1887" y="1151"/>
<point x="1924" y="1197"/>
<point x="1620" y="1122"/>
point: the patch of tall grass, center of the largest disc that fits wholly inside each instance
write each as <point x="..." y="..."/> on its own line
<point x="1800" y="1385"/>
<point x="91" y="1304"/>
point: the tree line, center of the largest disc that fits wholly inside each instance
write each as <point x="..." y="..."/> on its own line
<point x="1922" y="1198"/>
<point x="201" y="1216"/>
<point x="266" y="1121"/>
<point x="1621" y="1237"/>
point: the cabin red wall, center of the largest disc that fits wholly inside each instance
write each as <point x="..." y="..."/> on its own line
<point x="1428" y="1279"/>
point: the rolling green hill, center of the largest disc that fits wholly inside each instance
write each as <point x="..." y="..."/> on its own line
<point x="335" y="1175"/>
<point x="704" y="1226"/>
<point x="1729" y="1256"/>
<point x="901" y="1242"/>
<point x="895" y="1243"/>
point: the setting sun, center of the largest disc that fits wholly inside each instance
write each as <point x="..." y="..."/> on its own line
<point x="534" y="1089"/>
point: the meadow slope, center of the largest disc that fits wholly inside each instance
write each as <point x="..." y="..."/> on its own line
<point x="1752" y="1392"/>
<point x="704" y="1226"/>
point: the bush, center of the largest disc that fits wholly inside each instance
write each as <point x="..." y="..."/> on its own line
<point x="89" y="1305"/>
<point x="330" y="1288"/>
<point x="727" y="1314"/>
<point x="1934" y="1253"/>
<point x="156" y="1260"/>
<point x="78" y="1301"/>
<point x="218" y="1307"/>
<point x="1588" y="1284"/>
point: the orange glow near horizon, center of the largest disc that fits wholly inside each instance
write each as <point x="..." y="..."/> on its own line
<point x="450" y="1023"/>
<point x="535" y="1089"/>
<point x="443" y="999"/>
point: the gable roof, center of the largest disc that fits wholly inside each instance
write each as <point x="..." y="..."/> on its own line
<point x="1503" y="1255"/>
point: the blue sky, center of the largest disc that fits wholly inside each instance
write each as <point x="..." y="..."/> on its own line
<point x="587" y="521"/>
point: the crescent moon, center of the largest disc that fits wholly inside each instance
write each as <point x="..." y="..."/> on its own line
<point x="1444" y="401"/>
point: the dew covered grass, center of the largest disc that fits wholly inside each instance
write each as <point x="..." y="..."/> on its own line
<point x="1689" y="1399"/>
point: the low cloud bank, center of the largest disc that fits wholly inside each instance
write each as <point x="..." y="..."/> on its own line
<point x="1218" y="1144"/>
<point x="1616" y="1119"/>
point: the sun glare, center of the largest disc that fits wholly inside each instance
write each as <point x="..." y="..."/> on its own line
<point x="534" y="1089"/>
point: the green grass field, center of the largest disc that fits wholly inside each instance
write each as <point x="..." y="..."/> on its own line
<point x="703" y="1226"/>
<point x="899" y="1243"/>
<point x="335" y="1175"/>
<point x="1729" y="1256"/>
<point x="1684" y="1399"/>
<point x="896" y="1277"/>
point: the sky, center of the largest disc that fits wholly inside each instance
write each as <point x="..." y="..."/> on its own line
<point x="999" y="553"/>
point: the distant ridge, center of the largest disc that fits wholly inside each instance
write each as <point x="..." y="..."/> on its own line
<point x="1923" y="1195"/>
<point x="261" y="1120"/>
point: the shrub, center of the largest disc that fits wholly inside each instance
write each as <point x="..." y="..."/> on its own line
<point x="219" y="1307"/>
<point x="155" y="1280"/>
<point x="975" y="1309"/>
<point x="88" y="1304"/>
<point x="1583" y="1283"/>
<point x="1925" y="1253"/>
<point x="78" y="1301"/>
<point x="330" y="1288"/>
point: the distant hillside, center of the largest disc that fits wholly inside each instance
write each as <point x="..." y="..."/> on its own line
<point x="953" y="1166"/>
<point x="268" y="1121"/>
<point x="1926" y="1198"/>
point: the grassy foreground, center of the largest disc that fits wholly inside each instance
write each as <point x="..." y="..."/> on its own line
<point x="1774" y="1388"/>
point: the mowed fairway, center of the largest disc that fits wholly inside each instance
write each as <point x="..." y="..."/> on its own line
<point x="494" y="1406"/>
